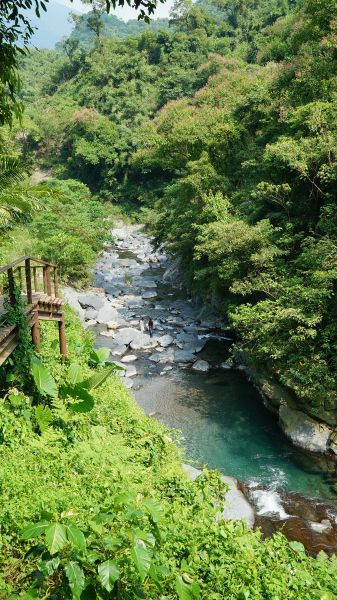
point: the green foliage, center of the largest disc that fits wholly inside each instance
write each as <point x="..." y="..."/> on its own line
<point x="71" y="243"/>
<point x="96" y="504"/>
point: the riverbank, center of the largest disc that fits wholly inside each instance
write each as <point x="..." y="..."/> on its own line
<point x="182" y="365"/>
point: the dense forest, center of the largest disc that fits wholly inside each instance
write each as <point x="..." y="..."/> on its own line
<point x="218" y="131"/>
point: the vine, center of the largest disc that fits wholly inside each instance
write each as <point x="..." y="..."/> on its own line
<point x="16" y="314"/>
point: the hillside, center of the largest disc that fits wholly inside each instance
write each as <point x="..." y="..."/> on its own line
<point x="234" y="154"/>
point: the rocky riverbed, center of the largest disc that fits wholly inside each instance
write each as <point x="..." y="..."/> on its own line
<point x="132" y="280"/>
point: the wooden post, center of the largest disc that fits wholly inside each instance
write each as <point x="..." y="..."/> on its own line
<point x="48" y="282"/>
<point x="62" y="338"/>
<point x="56" y="283"/>
<point x="36" y="283"/>
<point x="36" y="331"/>
<point x="11" y="287"/>
<point x="28" y="281"/>
<point x="20" y="278"/>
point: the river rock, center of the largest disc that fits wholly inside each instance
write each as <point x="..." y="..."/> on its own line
<point x="184" y="356"/>
<point x="148" y="295"/>
<point x="236" y="506"/>
<point x="162" y="357"/>
<point x="112" y="325"/>
<point x="107" y="313"/>
<point x="91" y="314"/>
<point x="225" y="366"/>
<point x="303" y="431"/>
<point x="129" y="358"/>
<point x="118" y="349"/>
<point x="109" y="333"/>
<point x="148" y="283"/>
<point x="201" y="365"/>
<point x="130" y="371"/>
<point x="165" y="340"/>
<point x="126" y="335"/>
<point x="92" y="301"/>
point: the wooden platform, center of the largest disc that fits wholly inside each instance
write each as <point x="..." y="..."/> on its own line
<point x="39" y="305"/>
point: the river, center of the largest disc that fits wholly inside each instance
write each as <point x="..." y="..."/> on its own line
<point x="219" y="413"/>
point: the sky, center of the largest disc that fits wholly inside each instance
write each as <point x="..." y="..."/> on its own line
<point x="124" y="12"/>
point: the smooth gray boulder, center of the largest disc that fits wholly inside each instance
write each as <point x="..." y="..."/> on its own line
<point x="90" y="314"/>
<point x="303" y="431"/>
<point x="165" y="340"/>
<point x="92" y="301"/>
<point x="236" y="506"/>
<point x="128" y="358"/>
<point x="126" y="335"/>
<point x="201" y="365"/>
<point x="162" y="357"/>
<point x="118" y="349"/>
<point x="148" y="295"/>
<point x="144" y="342"/>
<point x="184" y="356"/>
<point x="107" y="313"/>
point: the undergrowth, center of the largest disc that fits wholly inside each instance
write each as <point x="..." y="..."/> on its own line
<point x="97" y="506"/>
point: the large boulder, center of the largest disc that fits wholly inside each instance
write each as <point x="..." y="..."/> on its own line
<point x="164" y="357"/>
<point x="91" y="314"/>
<point x="126" y="335"/>
<point x="91" y="301"/>
<point x="165" y="340"/>
<point x="184" y="356"/>
<point x="303" y="431"/>
<point x="107" y="313"/>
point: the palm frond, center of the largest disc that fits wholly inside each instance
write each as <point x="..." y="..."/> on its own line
<point x="11" y="171"/>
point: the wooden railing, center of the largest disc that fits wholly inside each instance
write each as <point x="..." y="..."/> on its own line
<point x="37" y="273"/>
<point x="37" y="282"/>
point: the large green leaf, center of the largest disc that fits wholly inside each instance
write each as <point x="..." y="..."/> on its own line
<point x="96" y="380"/>
<point x="56" y="537"/>
<point x="154" y="508"/>
<point x="141" y="557"/>
<point x="108" y="574"/>
<point x="76" y="579"/>
<point x="76" y="536"/>
<point x="85" y="406"/>
<point x="33" y="530"/>
<point x="186" y="588"/>
<point x="74" y="373"/>
<point x="99" y="355"/>
<point x="43" y="416"/>
<point x="43" y="379"/>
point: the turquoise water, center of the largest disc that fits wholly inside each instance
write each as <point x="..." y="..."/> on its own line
<point x="226" y="426"/>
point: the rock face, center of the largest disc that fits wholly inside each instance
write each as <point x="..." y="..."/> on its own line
<point x="303" y="431"/>
<point x="236" y="506"/>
